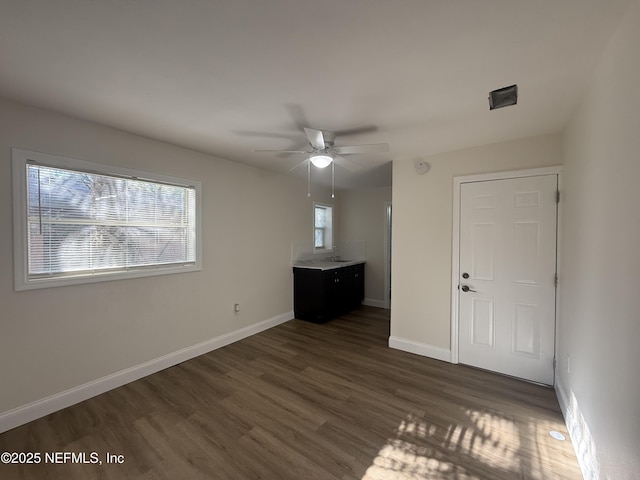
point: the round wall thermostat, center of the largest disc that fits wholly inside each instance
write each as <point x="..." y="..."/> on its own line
<point x="422" y="167"/>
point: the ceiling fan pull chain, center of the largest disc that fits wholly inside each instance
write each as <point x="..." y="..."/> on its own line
<point x="333" y="179"/>
<point x="308" y="179"/>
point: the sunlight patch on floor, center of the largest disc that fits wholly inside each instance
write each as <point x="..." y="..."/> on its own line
<point x="399" y="460"/>
<point x="485" y="442"/>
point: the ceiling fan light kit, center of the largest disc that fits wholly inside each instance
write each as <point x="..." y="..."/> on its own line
<point x="320" y="160"/>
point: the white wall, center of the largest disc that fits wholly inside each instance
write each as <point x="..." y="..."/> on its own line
<point x="600" y="269"/>
<point x="422" y="230"/>
<point x="362" y="217"/>
<point x="55" y="339"/>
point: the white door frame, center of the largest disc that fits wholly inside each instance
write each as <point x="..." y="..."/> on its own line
<point x="455" y="248"/>
<point x="388" y="209"/>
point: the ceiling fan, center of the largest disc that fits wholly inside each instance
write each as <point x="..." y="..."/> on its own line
<point x="323" y="152"/>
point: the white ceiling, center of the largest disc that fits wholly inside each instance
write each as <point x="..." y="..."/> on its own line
<point x="227" y="76"/>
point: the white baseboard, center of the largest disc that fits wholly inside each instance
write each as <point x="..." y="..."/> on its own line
<point x="371" y="302"/>
<point x="581" y="438"/>
<point x="420" y="349"/>
<point x="34" y="410"/>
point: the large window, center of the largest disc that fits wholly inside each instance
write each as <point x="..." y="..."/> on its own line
<point x="77" y="221"/>
<point x="322" y="227"/>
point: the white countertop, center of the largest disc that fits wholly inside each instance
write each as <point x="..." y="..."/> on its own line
<point x="325" y="264"/>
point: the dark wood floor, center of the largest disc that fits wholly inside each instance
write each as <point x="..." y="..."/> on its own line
<point x="305" y="401"/>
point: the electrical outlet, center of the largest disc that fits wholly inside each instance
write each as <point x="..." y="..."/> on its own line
<point x="236" y="307"/>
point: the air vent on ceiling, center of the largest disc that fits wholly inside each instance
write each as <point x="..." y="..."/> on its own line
<point x="503" y="97"/>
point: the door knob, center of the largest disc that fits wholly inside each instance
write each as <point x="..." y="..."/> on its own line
<point x="465" y="288"/>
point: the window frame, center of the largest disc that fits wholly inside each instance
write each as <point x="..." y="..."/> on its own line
<point x="20" y="159"/>
<point x="323" y="249"/>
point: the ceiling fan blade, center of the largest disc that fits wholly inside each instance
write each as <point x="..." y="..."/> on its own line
<point x="293" y="137"/>
<point x="280" y="151"/>
<point x="356" y="131"/>
<point x="348" y="164"/>
<point x="374" y="147"/>
<point x="298" y="165"/>
<point x="297" y="114"/>
<point x="316" y="139"/>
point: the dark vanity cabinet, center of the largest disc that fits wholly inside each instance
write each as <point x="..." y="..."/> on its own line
<point x="322" y="294"/>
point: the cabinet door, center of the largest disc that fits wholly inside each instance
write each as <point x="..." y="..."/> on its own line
<point x="346" y="289"/>
<point x="333" y="291"/>
<point x="357" y="294"/>
<point x="308" y="303"/>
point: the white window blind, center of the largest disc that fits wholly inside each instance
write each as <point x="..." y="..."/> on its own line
<point x="80" y="222"/>
<point x="322" y="223"/>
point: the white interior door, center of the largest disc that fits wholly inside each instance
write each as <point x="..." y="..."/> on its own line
<point x="507" y="276"/>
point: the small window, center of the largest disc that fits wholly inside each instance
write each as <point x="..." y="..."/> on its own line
<point x="323" y="227"/>
<point x="78" y="222"/>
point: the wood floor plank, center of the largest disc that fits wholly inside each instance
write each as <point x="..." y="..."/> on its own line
<point x="314" y="401"/>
